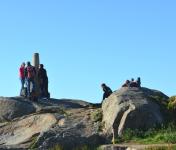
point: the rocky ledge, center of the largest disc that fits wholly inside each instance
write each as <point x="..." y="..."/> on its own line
<point x="72" y="123"/>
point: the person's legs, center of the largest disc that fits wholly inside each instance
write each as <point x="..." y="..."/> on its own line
<point x="104" y="96"/>
<point x="33" y="84"/>
<point x="22" y="84"/>
<point x="42" y="89"/>
<point x="108" y="94"/>
<point x="45" y="88"/>
<point x="28" y="87"/>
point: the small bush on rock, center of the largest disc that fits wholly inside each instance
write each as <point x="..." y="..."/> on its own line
<point x="97" y="115"/>
<point x="172" y="103"/>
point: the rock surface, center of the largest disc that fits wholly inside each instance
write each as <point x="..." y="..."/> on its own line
<point x="134" y="108"/>
<point x="137" y="147"/>
<point x="71" y="124"/>
<point x="21" y="130"/>
<point x="74" y="130"/>
<point x="64" y="122"/>
<point x="11" y="108"/>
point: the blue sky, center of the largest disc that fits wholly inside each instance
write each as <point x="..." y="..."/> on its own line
<point x="83" y="43"/>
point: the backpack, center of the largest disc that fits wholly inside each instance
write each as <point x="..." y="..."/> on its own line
<point x="30" y="72"/>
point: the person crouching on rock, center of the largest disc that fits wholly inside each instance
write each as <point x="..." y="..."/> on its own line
<point x="133" y="83"/>
<point x="30" y="70"/>
<point x="107" y="91"/>
<point x="138" y="81"/>
<point x="126" y="84"/>
<point x="22" y="76"/>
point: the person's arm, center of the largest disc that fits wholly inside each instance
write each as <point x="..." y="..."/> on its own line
<point x="103" y="97"/>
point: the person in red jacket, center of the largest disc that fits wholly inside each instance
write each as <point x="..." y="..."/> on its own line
<point x="22" y="76"/>
<point x="30" y="74"/>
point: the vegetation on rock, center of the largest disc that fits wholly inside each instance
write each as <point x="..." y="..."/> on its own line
<point x="97" y="115"/>
<point x="172" y="103"/>
<point x="84" y="147"/>
<point x="164" y="134"/>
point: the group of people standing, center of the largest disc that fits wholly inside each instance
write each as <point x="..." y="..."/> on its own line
<point x="29" y="76"/>
<point x="133" y="83"/>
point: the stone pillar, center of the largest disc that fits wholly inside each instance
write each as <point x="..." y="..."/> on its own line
<point x="35" y="63"/>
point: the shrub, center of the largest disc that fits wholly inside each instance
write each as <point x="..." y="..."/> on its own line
<point x="164" y="134"/>
<point x="57" y="147"/>
<point x="85" y="147"/>
<point x="97" y="115"/>
<point x="172" y="103"/>
<point x="169" y="147"/>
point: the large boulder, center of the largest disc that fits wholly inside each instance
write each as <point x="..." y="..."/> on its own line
<point x="11" y="108"/>
<point x="135" y="108"/>
<point x="73" y="131"/>
<point x="46" y="124"/>
<point x="23" y="129"/>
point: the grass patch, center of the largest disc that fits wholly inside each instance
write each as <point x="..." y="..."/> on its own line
<point x="160" y="100"/>
<point x="83" y="147"/>
<point x="164" y="134"/>
<point x="169" y="147"/>
<point x="172" y="103"/>
<point x="97" y="115"/>
<point x="57" y="147"/>
<point x="33" y="142"/>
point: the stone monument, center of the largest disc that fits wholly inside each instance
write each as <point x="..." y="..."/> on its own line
<point x="36" y="63"/>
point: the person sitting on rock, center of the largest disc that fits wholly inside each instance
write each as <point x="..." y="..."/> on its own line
<point x="43" y="81"/>
<point x="30" y="74"/>
<point x="107" y="91"/>
<point x="133" y="83"/>
<point x="126" y="84"/>
<point x="138" y="81"/>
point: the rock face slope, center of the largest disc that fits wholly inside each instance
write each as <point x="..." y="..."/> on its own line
<point x="21" y="130"/>
<point x="72" y="124"/>
<point x="134" y="108"/>
<point x="67" y="123"/>
<point x="11" y="108"/>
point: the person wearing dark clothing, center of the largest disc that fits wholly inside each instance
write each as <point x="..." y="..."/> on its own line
<point x="43" y="81"/>
<point x="133" y="84"/>
<point x="138" y="82"/>
<point x="126" y="84"/>
<point x="107" y="91"/>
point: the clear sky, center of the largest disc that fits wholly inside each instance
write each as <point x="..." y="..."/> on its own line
<point x="83" y="43"/>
